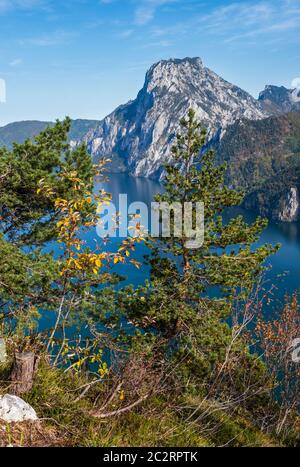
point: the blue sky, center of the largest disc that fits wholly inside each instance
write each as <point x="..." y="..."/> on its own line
<point x="85" y="57"/>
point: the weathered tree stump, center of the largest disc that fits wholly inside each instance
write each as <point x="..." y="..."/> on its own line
<point x="23" y="371"/>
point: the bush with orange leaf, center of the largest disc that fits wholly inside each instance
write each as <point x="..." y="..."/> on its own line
<point x="276" y="339"/>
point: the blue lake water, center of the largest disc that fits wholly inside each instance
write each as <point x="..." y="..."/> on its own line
<point x="286" y="263"/>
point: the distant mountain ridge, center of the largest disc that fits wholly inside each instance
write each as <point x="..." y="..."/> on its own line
<point x="18" y="132"/>
<point x="258" y="138"/>
<point x="263" y="159"/>
<point x="139" y="135"/>
<point x="278" y="99"/>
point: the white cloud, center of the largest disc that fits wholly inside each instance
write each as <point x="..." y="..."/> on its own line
<point x="146" y="9"/>
<point x="238" y="15"/>
<point x="6" y="5"/>
<point x="260" y="19"/>
<point x="126" y="33"/>
<point x="16" y="62"/>
<point x="237" y="21"/>
<point x="55" y="38"/>
<point x="159" y="44"/>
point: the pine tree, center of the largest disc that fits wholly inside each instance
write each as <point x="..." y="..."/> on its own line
<point x="47" y="195"/>
<point x="192" y="291"/>
<point x="27" y="217"/>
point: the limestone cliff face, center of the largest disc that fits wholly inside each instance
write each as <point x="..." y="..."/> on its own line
<point x="290" y="206"/>
<point x="278" y="99"/>
<point x="138" y="135"/>
<point x="258" y="139"/>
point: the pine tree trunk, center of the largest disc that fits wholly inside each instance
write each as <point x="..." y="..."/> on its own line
<point x="23" y="372"/>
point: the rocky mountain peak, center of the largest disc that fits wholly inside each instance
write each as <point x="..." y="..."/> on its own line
<point x="277" y="94"/>
<point x="173" y="72"/>
<point x="139" y="134"/>
<point x="277" y="99"/>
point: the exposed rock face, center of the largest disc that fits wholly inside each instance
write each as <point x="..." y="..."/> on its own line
<point x="290" y="210"/>
<point x="14" y="409"/>
<point x="258" y="139"/>
<point x="139" y="135"/>
<point x="278" y="99"/>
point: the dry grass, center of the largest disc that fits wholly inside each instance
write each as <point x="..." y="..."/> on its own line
<point x="29" y="434"/>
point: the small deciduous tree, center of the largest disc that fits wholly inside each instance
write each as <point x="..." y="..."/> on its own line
<point x="276" y="338"/>
<point x="27" y="217"/>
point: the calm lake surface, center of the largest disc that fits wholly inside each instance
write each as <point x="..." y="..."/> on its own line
<point x="285" y="265"/>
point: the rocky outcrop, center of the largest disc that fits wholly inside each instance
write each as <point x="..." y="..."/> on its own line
<point x="13" y="409"/>
<point x="289" y="210"/>
<point x="258" y="139"/>
<point x="278" y="99"/>
<point x="138" y="135"/>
